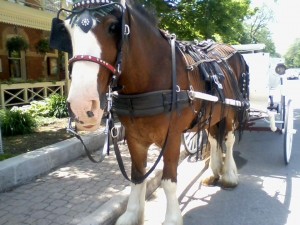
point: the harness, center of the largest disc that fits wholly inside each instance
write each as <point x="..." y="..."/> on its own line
<point x="146" y="104"/>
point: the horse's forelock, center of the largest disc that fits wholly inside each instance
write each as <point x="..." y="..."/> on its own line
<point x="148" y="12"/>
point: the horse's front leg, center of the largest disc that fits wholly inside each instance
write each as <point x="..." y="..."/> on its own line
<point x="134" y="214"/>
<point x="169" y="181"/>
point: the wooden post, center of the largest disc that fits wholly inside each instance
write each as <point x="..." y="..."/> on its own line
<point x="67" y="78"/>
<point x="1" y="146"/>
<point x="2" y="98"/>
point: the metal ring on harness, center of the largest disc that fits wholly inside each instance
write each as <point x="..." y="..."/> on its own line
<point x="114" y="132"/>
<point x="126" y="30"/>
<point x="190" y="93"/>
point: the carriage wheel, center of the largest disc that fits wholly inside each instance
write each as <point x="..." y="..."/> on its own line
<point x="288" y="131"/>
<point x="282" y="110"/>
<point x="192" y="141"/>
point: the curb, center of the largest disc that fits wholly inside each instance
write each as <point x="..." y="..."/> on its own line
<point x="25" y="167"/>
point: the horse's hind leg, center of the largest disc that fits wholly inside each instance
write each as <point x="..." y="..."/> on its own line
<point x="134" y="214"/>
<point x="229" y="173"/>
<point x="212" y="174"/>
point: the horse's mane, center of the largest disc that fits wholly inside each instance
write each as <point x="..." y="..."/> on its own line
<point x="148" y="12"/>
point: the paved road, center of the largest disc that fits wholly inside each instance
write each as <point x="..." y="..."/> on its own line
<point x="71" y="193"/>
<point x="268" y="193"/>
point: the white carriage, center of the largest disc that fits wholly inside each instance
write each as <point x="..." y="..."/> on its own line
<point x="270" y="108"/>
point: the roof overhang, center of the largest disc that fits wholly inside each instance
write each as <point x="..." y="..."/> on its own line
<point x="16" y="14"/>
<point x="249" y="47"/>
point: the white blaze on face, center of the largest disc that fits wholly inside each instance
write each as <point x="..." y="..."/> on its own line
<point x="83" y="95"/>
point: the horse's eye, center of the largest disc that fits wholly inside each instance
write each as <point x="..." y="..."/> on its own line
<point x="112" y="28"/>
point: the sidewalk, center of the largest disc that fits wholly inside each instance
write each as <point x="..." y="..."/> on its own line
<point x="79" y="192"/>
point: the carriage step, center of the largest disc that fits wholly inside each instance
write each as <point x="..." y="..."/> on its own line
<point x="291" y="131"/>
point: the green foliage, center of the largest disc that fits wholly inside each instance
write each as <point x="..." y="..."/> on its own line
<point x="42" y="46"/>
<point x="6" y="156"/>
<point x="256" y="30"/>
<point x="38" y="108"/>
<point x="57" y="106"/>
<point x="292" y="57"/>
<point x="16" y="43"/>
<point x="54" y="106"/>
<point x="222" y="19"/>
<point x="16" y="121"/>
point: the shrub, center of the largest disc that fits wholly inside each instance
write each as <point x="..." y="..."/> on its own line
<point x="57" y="106"/>
<point x="38" y="108"/>
<point x="17" y="43"/>
<point x="16" y="121"/>
<point x="54" y="106"/>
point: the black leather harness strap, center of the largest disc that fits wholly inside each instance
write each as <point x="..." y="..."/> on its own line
<point x="88" y="153"/>
<point x="149" y="104"/>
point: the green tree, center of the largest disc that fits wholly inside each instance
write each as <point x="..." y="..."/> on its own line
<point x="256" y="30"/>
<point x="221" y="20"/>
<point x="292" y="57"/>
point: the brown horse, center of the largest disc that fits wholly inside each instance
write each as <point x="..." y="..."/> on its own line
<point x="157" y="80"/>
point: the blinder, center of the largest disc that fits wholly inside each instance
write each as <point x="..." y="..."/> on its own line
<point x="83" y="17"/>
<point x="60" y="37"/>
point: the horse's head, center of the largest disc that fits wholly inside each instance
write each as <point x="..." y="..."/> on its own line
<point x="92" y="34"/>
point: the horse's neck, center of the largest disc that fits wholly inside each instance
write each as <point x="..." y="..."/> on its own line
<point x="146" y="59"/>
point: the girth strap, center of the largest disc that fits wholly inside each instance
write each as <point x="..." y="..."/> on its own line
<point x="149" y="104"/>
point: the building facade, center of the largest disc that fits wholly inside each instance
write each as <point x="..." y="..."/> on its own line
<point x="29" y="69"/>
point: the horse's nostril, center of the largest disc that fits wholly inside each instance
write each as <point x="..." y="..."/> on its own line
<point x="90" y="113"/>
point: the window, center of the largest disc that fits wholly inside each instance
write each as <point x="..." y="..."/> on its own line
<point x="16" y="55"/>
<point x="15" y="64"/>
<point x="52" y="66"/>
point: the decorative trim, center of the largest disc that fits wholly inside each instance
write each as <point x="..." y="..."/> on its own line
<point x="93" y="59"/>
<point x="15" y="14"/>
<point x="90" y="2"/>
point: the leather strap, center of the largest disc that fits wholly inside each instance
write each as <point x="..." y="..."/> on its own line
<point x="71" y="130"/>
<point x="93" y="59"/>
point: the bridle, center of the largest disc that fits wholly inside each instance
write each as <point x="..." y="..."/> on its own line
<point x="83" y="15"/>
<point x="93" y="59"/>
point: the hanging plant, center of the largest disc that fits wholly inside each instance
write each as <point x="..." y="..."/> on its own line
<point x="17" y="43"/>
<point x="42" y="47"/>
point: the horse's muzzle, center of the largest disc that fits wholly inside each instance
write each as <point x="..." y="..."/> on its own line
<point x="87" y="121"/>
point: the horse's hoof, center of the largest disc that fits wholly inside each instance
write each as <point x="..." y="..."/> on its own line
<point x="211" y="181"/>
<point x="229" y="185"/>
<point x="209" y="178"/>
<point x="129" y="218"/>
<point x="179" y="222"/>
<point x="229" y="182"/>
